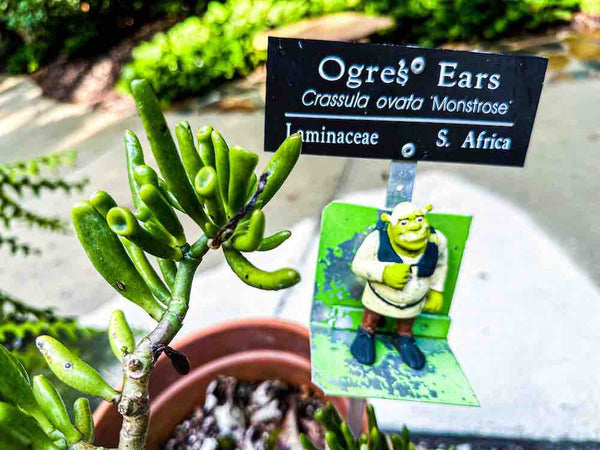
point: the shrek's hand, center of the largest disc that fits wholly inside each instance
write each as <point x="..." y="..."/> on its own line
<point x="434" y="302"/>
<point x="396" y="275"/>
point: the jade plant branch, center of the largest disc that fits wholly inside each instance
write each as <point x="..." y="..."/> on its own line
<point x="137" y="366"/>
<point x="215" y="186"/>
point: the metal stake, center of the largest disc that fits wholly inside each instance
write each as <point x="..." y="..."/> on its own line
<point x="355" y="415"/>
<point x="400" y="183"/>
<point x="399" y="189"/>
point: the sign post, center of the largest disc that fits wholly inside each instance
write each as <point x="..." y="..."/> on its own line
<point x="405" y="104"/>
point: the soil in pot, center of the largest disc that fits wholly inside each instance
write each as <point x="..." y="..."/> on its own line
<point x="264" y="415"/>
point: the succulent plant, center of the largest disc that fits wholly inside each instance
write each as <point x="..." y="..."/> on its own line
<point x="216" y="187"/>
<point x="339" y="437"/>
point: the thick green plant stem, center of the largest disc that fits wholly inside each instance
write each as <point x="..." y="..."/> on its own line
<point x="135" y="403"/>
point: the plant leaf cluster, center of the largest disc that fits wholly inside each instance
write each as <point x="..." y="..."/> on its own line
<point x="339" y="437"/>
<point x="217" y="188"/>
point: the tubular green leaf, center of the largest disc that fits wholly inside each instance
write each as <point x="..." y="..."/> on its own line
<point x="332" y="441"/>
<point x="241" y="167"/>
<point x="306" y="442"/>
<point x="337" y="419"/>
<point x="21" y="367"/>
<point x="11" y="418"/>
<point x="105" y="251"/>
<point x="120" y="335"/>
<point x="397" y="443"/>
<point x="206" y="185"/>
<point x="376" y="439"/>
<point x="330" y="422"/>
<point x="255" y="277"/>
<point x="205" y="146"/>
<point x="135" y="157"/>
<point x="280" y="166"/>
<point x="164" y="150"/>
<point x="189" y="156"/>
<point x="54" y="407"/>
<point x="158" y="231"/>
<point x="169" y="195"/>
<point x="103" y="202"/>
<point x="73" y="371"/>
<point x="221" y="164"/>
<point x="251" y="239"/>
<point x="163" y="211"/>
<point x="143" y="214"/>
<point x="84" y="420"/>
<point x="349" y="439"/>
<point x="144" y="174"/>
<point x="146" y="271"/>
<point x="122" y="222"/>
<point x="372" y="419"/>
<point x="168" y="269"/>
<point x="274" y="241"/>
<point x="15" y="388"/>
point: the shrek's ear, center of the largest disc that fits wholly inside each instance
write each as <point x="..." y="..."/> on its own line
<point x="427" y="208"/>
<point x="385" y="217"/>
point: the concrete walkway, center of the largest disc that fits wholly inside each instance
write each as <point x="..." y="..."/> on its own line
<point x="524" y="315"/>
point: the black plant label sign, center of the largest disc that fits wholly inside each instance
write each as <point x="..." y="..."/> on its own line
<point x="396" y="102"/>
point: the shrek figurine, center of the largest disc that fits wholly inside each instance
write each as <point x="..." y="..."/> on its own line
<point x="404" y="262"/>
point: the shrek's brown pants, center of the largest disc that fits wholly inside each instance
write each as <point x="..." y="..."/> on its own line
<point x="371" y="320"/>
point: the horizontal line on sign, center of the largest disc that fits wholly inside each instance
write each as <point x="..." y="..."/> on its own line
<point x="491" y="123"/>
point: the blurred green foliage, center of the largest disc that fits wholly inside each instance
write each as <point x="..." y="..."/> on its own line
<point x="28" y="177"/>
<point x="431" y="22"/>
<point x="20" y="324"/>
<point x="203" y="50"/>
<point x="195" y="54"/>
<point x="37" y="30"/>
<point x="590" y="7"/>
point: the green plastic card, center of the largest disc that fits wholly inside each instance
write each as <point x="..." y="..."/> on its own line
<point x="337" y="310"/>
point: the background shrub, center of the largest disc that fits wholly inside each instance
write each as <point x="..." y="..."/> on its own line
<point x="196" y="53"/>
<point x="41" y="29"/>
<point x="199" y="52"/>
<point x="431" y="22"/>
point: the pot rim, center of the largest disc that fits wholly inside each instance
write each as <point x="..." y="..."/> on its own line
<point x="217" y="328"/>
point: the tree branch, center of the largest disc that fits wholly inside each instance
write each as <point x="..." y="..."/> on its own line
<point x="137" y="366"/>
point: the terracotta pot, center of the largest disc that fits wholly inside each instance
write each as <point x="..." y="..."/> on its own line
<point x="252" y="350"/>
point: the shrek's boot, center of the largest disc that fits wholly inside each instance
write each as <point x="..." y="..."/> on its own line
<point x="409" y="351"/>
<point x="363" y="347"/>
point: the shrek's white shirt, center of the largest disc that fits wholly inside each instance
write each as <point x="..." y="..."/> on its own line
<point x="367" y="265"/>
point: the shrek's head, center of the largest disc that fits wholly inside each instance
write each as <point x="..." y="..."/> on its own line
<point x="407" y="227"/>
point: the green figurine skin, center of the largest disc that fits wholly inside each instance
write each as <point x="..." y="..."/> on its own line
<point x="405" y="264"/>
